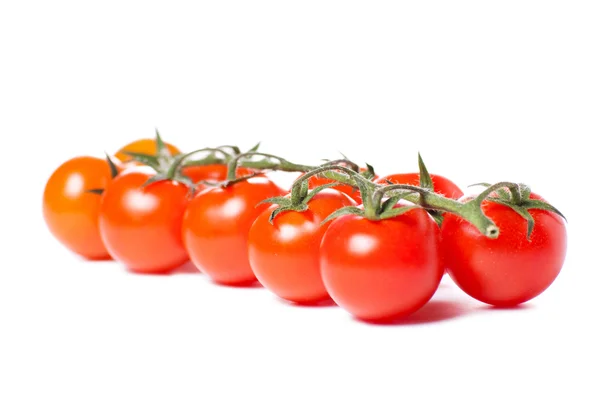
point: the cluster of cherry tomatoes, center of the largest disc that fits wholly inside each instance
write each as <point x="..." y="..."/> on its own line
<point x="377" y="246"/>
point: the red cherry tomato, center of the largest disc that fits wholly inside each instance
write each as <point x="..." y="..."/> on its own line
<point x="381" y="270"/>
<point x="509" y="270"/>
<point x="216" y="226"/>
<point x="441" y="185"/>
<point x="284" y="255"/>
<point x="70" y="211"/>
<point x="351" y="191"/>
<point x="141" y="225"/>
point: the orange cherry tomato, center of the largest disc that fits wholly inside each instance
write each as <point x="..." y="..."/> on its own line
<point x="144" y="146"/>
<point x="70" y="211"/>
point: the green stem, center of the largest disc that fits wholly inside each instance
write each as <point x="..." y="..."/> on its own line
<point x="349" y="163"/>
<point x="282" y="164"/>
<point x="514" y="188"/>
<point x="208" y="160"/>
<point x="263" y="164"/>
<point x="353" y="178"/>
<point x="383" y="189"/>
<point x="174" y="167"/>
<point x="254" y="164"/>
<point x="234" y="149"/>
<point x="470" y="211"/>
<point x="327" y="170"/>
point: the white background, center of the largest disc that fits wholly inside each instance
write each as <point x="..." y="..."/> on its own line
<point x="487" y="91"/>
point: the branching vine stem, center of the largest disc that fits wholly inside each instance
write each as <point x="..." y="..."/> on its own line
<point x="515" y="191"/>
<point x="174" y="167"/>
<point x="281" y="165"/>
<point x="470" y="211"/>
<point x="328" y="170"/>
<point x="347" y="172"/>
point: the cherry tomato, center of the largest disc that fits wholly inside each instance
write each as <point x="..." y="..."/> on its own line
<point x="144" y="146"/>
<point x="382" y="270"/>
<point x="509" y="270"/>
<point x="441" y="185"/>
<point x="351" y="191"/>
<point x="141" y="225"/>
<point x="285" y="255"/>
<point x="216" y="226"/>
<point x="70" y="211"/>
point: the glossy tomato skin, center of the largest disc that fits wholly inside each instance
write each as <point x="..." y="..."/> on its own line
<point x="285" y="255"/>
<point x="144" y="146"/>
<point x="351" y="191"/>
<point x="71" y="213"/>
<point x="141" y="225"/>
<point x="441" y="185"/>
<point x="382" y="270"/>
<point x="216" y="225"/>
<point x="509" y="270"/>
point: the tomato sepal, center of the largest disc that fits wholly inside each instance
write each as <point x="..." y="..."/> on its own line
<point x="146" y="159"/>
<point x="297" y="200"/>
<point x="114" y="171"/>
<point x="517" y="197"/>
<point x="348" y="210"/>
<point x="425" y="180"/>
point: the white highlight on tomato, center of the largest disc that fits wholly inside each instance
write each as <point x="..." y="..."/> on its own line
<point x="258" y="180"/>
<point x="362" y="244"/>
<point x="288" y="232"/>
<point x="74" y="185"/>
<point x="141" y="201"/>
<point x="233" y="207"/>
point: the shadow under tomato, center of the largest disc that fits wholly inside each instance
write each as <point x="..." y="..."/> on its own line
<point x="518" y="307"/>
<point x="313" y="304"/>
<point x="187" y="268"/>
<point x="434" y="311"/>
<point x="96" y="259"/>
<point x="243" y="285"/>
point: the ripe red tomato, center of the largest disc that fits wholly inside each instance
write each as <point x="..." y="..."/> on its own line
<point x="141" y="225"/>
<point x="441" y="185"/>
<point x="216" y="225"/>
<point x="508" y="270"/>
<point x="144" y="146"/>
<point x="285" y="255"/>
<point x="351" y="191"/>
<point x="70" y="211"/>
<point x="381" y="270"/>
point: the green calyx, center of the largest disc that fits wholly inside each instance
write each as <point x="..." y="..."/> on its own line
<point x="350" y="176"/>
<point x="170" y="167"/>
<point x="297" y="200"/>
<point x="266" y="162"/>
<point x="517" y="196"/>
<point x="381" y="201"/>
<point x="341" y="171"/>
<point x="160" y="161"/>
